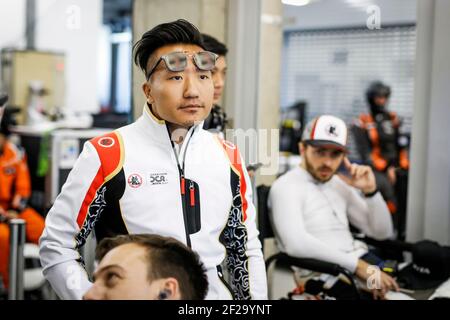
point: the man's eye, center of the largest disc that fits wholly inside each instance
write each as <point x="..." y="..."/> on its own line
<point x="111" y="279"/>
<point x="204" y="77"/>
<point x="176" y="78"/>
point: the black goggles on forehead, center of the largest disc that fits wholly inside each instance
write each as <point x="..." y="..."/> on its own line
<point x="177" y="61"/>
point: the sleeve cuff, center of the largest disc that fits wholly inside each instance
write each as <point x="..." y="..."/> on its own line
<point x="371" y="194"/>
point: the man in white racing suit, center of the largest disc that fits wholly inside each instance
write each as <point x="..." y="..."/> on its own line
<point x="162" y="174"/>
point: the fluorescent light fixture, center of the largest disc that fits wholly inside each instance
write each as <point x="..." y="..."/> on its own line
<point x="359" y="4"/>
<point x="297" y="3"/>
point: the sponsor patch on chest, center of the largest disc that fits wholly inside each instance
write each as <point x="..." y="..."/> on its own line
<point x="158" y="178"/>
<point x="134" y="180"/>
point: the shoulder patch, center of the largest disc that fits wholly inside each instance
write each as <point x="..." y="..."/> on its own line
<point x="228" y="144"/>
<point x="106" y="142"/>
<point x="110" y="151"/>
<point x="231" y="151"/>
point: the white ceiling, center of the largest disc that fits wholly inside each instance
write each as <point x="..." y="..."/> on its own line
<point x="344" y="13"/>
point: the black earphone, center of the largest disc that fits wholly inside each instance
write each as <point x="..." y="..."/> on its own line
<point x="163" y="295"/>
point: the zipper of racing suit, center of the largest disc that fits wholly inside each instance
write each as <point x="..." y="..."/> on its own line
<point x="182" y="184"/>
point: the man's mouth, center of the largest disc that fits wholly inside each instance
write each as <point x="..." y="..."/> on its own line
<point x="325" y="171"/>
<point x="191" y="107"/>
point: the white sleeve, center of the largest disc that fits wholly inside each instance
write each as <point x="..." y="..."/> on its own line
<point x="68" y="279"/>
<point x="371" y="215"/>
<point x="287" y="218"/>
<point x="58" y="248"/>
<point x="256" y="264"/>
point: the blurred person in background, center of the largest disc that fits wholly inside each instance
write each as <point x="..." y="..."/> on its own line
<point x="217" y="119"/>
<point x="15" y="190"/>
<point x="382" y="146"/>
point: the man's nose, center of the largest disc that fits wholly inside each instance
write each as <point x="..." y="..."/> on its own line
<point x="218" y="82"/>
<point x="190" y="88"/>
<point x="191" y="81"/>
<point x="94" y="293"/>
<point x="328" y="161"/>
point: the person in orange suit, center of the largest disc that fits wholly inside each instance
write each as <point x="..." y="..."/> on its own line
<point x="15" y="189"/>
<point x="382" y="144"/>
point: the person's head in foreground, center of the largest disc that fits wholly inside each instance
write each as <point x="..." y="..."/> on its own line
<point x="323" y="146"/>
<point x="179" y="87"/>
<point x="147" y="267"/>
<point x="219" y="73"/>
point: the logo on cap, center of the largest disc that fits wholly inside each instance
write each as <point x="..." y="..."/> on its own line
<point x="331" y="130"/>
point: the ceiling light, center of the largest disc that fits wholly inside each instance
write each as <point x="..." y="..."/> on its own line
<point x="296" y="2"/>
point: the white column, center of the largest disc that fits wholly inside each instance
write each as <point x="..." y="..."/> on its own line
<point x="429" y="183"/>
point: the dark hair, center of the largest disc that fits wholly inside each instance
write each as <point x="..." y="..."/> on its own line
<point x="214" y="45"/>
<point x="180" y="31"/>
<point x="167" y="257"/>
<point x="8" y="120"/>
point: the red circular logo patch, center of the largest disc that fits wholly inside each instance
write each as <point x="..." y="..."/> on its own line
<point x="134" y="180"/>
<point x="106" y="142"/>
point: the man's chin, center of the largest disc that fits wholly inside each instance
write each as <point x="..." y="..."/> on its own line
<point x="191" y="116"/>
<point x="187" y="123"/>
<point x="323" y="178"/>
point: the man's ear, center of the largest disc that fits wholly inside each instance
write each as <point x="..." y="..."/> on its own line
<point x="301" y="147"/>
<point x="147" y="92"/>
<point x="169" y="289"/>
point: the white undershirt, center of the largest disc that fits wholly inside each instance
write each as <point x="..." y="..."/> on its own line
<point x="311" y="219"/>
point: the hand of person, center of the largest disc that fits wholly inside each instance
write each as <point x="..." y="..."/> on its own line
<point x="383" y="283"/>
<point x="2" y="215"/>
<point x="8" y="215"/>
<point x="16" y="201"/>
<point x="12" y="214"/>
<point x="361" y="177"/>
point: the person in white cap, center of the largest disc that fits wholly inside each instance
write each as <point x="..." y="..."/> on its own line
<point x="312" y="205"/>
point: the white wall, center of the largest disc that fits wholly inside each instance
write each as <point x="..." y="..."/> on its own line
<point x="429" y="182"/>
<point x="73" y="27"/>
<point x="12" y="25"/>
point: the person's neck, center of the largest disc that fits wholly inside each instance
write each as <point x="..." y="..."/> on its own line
<point x="177" y="132"/>
<point x="302" y="164"/>
<point x="374" y="110"/>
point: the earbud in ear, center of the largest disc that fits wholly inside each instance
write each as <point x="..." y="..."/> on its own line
<point x="163" y="295"/>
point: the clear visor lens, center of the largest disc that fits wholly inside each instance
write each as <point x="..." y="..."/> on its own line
<point x="176" y="61"/>
<point x="205" y="60"/>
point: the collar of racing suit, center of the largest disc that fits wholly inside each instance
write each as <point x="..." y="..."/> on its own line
<point x="156" y="130"/>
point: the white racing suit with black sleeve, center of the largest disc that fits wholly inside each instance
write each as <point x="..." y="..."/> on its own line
<point x="130" y="181"/>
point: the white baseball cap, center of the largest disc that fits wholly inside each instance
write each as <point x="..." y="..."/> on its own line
<point x="326" y="130"/>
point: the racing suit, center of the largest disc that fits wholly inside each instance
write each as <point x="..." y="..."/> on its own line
<point x="132" y="181"/>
